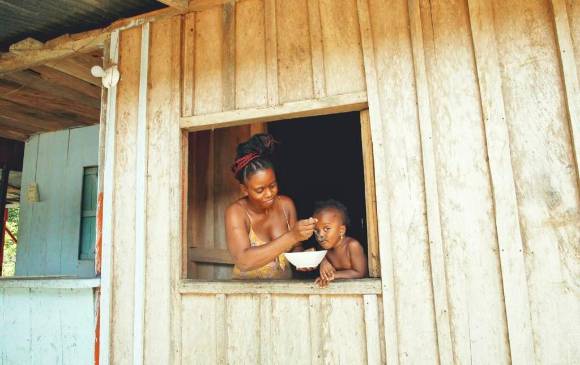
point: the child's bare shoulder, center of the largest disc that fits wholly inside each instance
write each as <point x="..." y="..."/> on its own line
<point x="354" y="246"/>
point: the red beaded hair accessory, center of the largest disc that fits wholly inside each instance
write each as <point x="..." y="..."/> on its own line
<point x="243" y="161"/>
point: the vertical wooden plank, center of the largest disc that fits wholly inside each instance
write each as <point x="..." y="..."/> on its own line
<point x="472" y="264"/>
<point x="569" y="75"/>
<point x="293" y="43"/>
<point x="515" y="287"/>
<point x="221" y="328"/>
<point x="48" y="218"/>
<point x="432" y="199"/>
<point x="201" y="197"/>
<point x="101" y="176"/>
<point x="226" y="188"/>
<point x="45" y="330"/>
<point x="123" y="244"/>
<point x="256" y="128"/>
<point x="345" y="335"/>
<point x="188" y="95"/>
<point x="573" y="9"/>
<point x="546" y="182"/>
<point x="243" y="328"/>
<point x="188" y="267"/>
<point x="76" y="309"/>
<point x="199" y="330"/>
<point x="343" y="60"/>
<point x="387" y="260"/>
<point x="370" y="196"/>
<point x="315" y="27"/>
<point x="176" y="187"/>
<point x="271" y="51"/>
<point x="250" y="55"/>
<point x="229" y="56"/>
<point x="208" y="61"/>
<point x="163" y="151"/>
<point x="371" y="310"/>
<point x="266" y="329"/>
<point x="108" y="168"/>
<point x="316" y="335"/>
<point x="290" y="316"/>
<point x="141" y="157"/>
<point x="17" y="324"/>
<point x="26" y="216"/>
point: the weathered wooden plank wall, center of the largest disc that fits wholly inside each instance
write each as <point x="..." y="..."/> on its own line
<point x="477" y="177"/>
<point x="278" y="328"/>
<point x="50" y="228"/>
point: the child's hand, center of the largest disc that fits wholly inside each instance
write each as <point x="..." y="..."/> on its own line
<point x="321" y="282"/>
<point x="327" y="271"/>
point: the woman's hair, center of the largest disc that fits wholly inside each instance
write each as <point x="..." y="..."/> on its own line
<point x="333" y="204"/>
<point x="253" y="155"/>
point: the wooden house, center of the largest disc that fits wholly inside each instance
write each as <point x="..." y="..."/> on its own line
<point x="468" y="126"/>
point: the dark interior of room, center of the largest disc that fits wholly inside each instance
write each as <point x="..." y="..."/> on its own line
<point x="319" y="158"/>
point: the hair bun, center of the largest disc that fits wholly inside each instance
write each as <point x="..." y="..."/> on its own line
<point x="262" y="144"/>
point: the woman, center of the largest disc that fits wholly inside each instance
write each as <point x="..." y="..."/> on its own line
<point x="262" y="225"/>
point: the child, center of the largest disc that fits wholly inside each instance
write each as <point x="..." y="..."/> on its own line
<point x="345" y="258"/>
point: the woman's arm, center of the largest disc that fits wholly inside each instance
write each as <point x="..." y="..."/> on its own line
<point x="249" y="258"/>
<point x="358" y="262"/>
<point x="290" y="209"/>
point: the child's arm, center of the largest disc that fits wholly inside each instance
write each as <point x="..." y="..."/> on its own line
<point x="358" y="262"/>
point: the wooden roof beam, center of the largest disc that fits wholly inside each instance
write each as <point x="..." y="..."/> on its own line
<point x="36" y="53"/>
<point x="86" y="42"/>
<point x="178" y="4"/>
<point x="73" y="68"/>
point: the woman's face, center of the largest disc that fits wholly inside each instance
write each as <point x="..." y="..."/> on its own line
<point x="261" y="188"/>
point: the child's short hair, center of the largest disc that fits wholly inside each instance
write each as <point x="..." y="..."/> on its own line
<point x="333" y="204"/>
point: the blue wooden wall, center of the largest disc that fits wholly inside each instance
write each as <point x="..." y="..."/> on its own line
<point x="50" y="228"/>
<point x="46" y="325"/>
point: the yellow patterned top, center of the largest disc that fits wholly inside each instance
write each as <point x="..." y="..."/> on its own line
<point x="274" y="270"/>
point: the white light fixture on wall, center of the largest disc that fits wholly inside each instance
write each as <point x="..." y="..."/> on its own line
<point x="110" y="76"/>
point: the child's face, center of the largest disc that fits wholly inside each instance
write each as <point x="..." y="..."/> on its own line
<point x="329" y="229"/>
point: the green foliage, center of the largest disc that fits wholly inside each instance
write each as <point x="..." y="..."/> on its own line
<point x="9" y="244"/>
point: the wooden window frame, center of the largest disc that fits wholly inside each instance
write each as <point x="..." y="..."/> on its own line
<point x="87" y="213"/>
<point x="323" y="106"/>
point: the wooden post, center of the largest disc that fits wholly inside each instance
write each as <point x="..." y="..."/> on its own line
<point x="108" y="195"/>
<point x="3" y="213"/>
<point x="370" y="196"/>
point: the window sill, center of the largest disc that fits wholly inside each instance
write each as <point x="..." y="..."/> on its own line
<point x="48" y="282"/>
<point x="339" y="287"/>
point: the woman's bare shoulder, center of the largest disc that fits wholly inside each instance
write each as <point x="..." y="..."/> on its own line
<point x="285" y="201"/>
<point x="236" y="208"/>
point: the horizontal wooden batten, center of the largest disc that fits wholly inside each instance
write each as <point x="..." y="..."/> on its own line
<point x="49" y="282"/>
<point x="347" y="287"/>
<point x="305" y="108"/>
<point x="210" y="255"/>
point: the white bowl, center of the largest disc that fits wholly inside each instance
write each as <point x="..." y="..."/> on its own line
<point x="305" y="259"/>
